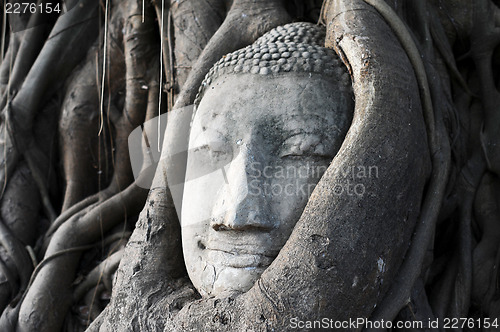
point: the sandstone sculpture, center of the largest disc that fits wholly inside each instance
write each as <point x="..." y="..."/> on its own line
<point x="272" y="117"/>
<point x="247" y="222"/>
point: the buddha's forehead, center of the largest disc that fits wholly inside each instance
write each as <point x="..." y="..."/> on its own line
<point x="292" y="96"/>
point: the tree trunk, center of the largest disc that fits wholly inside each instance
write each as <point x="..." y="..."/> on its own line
<point x="90" y="235"/>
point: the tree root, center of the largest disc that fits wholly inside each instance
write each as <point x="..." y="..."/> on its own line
<point x="18" y="253"/>
<point x="78" y="230"/>
<point x="9" y="285"/>
<point x="447" y="268"/>
<point x="42" y="81"/>
<point x="21" y="205"/>
<point x="485" y="255"/>
<point x="399" y="294"/>
<point x="485" y="39"/>
<point x="102" y="272"/>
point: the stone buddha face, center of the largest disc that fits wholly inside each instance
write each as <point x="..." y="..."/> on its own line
<point x="258" y="145"/>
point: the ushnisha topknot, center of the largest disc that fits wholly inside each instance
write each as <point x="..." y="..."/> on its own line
<point x="296" y="47"/>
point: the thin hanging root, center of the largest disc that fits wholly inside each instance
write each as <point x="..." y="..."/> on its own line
<point x="43" y="80"/>
<point x="399" y="293"/>
<point x="90" y="303"/>
<point x="170" y="72"/>
<point x="87" y="226"/>
<point x="4" y="35"/>
<point x="162" y="24"/>
<point x="105" y="55"/>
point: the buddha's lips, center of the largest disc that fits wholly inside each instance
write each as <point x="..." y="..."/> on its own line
<point x="238" y="260"/>
<point x="249" y="246"/>
<point x="240" y="256"/>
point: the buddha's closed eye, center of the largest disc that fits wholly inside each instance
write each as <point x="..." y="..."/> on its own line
<point x="215" y="149"/>
<point x="208" y="158"/>
<point x="303" y="145"/>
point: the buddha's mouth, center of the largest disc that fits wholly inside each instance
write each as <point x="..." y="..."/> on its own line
<point x="237" y="256"/>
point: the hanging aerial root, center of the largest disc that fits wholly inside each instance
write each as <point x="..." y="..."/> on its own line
<point x="47" y="72"/>
<point x="88" y="225"/>
<point x="138" y="40"/>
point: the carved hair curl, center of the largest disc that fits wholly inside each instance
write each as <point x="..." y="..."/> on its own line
<point x="296" y="47"/>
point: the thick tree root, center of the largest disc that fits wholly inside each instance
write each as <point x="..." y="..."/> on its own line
<point x="399" y="294"/>
<point x="59" y="274"/>
<point x="393" y="49"/>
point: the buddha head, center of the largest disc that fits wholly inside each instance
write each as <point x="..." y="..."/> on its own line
<point x="268" y="121"/>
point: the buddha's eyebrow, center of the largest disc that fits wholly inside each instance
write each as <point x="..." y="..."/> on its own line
<point x="206" y="135"/>
<point x="313" y="123"/>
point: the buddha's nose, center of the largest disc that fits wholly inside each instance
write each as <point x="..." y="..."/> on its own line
<point x="247" y="215"/>
<point x="237" y="207"/>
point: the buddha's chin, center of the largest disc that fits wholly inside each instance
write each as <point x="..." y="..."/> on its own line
<point x="217" y="280"/>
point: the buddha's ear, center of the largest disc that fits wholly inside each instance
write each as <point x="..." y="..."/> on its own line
<point x="350" y="242"/>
